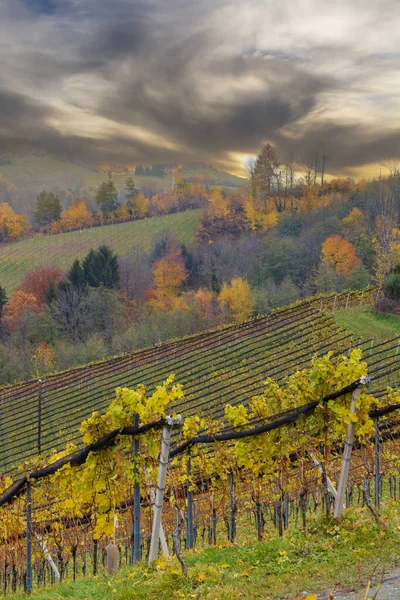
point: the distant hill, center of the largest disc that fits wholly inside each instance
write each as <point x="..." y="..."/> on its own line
<point x="32" y="173"/>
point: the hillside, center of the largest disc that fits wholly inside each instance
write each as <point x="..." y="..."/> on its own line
<point x="225" y="365"/>
<point x="31" y="174"/>
<point x="367" y="323"/>
<point x="61" y="250"/>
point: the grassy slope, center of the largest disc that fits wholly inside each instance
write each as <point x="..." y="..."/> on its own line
<point x="316" y="561"/>
<point x="61" y="250"/>
<point x="366" y="323"/>
<point x="32" y="174"/>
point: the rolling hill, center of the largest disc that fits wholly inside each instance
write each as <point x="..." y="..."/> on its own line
<point x="31" y="174"/>
<point x="61" y="250"/>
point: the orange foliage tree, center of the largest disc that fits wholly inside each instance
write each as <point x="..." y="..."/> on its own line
<point x="42" y="283"/>
<point x="237" y="299"/>
<point x="339" y="254"/>
<point x="205" y="300"/>
<point x="75" y="217"/>
<point x="169" y="273"/>
<point x="18" y="306"/>
<point x="12" y="226"/>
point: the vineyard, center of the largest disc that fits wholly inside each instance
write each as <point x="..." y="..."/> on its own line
<point x="60" y="250"/>
<point x="283" y="419"/>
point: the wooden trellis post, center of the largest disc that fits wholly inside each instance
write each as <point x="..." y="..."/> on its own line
<point x="348" y="447"/>
<point x="189" y="521"/>
<point x="162" y="474"/>
<point x="377" y="463"/>
<point x="135" y="550"/>
<point x="28" y="515"/>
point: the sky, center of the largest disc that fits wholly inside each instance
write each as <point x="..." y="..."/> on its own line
<point x="181" y="81"/>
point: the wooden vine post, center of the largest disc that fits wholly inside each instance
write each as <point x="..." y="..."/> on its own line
<point x="348" y="447"/>
<point x="28" y="515"/>
<point x="162" y="474"/>
<point x="135" y="556"/>
<point x="39" y="418"/>
<point x="189" y="520"/>
<point x="377" y="463"/>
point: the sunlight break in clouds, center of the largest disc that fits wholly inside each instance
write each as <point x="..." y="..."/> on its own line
<point x="167" y="81"/>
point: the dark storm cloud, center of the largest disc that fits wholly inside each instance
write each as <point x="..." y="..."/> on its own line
<point x="205" y="79"/>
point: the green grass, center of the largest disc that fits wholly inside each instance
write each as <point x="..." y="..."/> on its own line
<point x="367" y="323"/>
<point x="317" y="560"/>
<point x="62" y="249"/>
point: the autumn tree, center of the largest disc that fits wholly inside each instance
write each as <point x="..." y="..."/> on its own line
<point x="107" y="196"/>
<point x="42" y="283"/>
<point x="19" y="305"/>
<point x="205" y="300"/>
<point x="43" y="358"/>
<point x="266" y="171"/>
<point x="137" y="206"/>
<point x="339" y="254"/>
<point x="169" y="273"/>
<point x="236" y="298"/>
<point x="219" y="207"/>
<point x="75" y="217"/>
<point x="48" y="208"/>
<point x="12" y="226"/>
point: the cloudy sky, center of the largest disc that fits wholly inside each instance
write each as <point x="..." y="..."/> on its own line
<point x="127" y="81"/>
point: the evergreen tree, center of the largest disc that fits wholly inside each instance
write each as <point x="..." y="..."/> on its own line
<point x="157" y="170"/>
<point x="3" y="300"/>
<point x="147" y="171"/>
<point x="130" y="189"/>
<point x="139" y="170"/>
<point x="76" y="275"/>
<point x="101" y="268"/>
<point x="48" y="208"/>
<point x="107" y="196"/>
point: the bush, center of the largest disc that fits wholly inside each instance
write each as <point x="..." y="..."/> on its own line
<point x="387" y="305"/>
<point x="392" y="286"/>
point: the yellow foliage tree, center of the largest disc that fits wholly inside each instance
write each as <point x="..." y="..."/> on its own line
<point x="219" y="207"/>
<point x="75" y="217"/>
<point x="236" y="298"/>
<point x="260" y="215"/>
<point x="138" y="206"/>
<point x="43" y="358"/>
<point x="354" y="224"/>
<point x="12" y="226"/>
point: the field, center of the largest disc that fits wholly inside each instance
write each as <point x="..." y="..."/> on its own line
<point x="229" y="364"/>
<point x="365" y="322"/>
<point x="61" y="250"/>
<point x="31" y="174"/>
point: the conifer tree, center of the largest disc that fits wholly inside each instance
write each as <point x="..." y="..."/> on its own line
<point x="107" y="196"/>
<point x="48" y="208"/>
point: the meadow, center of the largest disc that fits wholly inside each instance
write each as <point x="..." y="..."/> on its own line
<point x="61" y="250"/>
